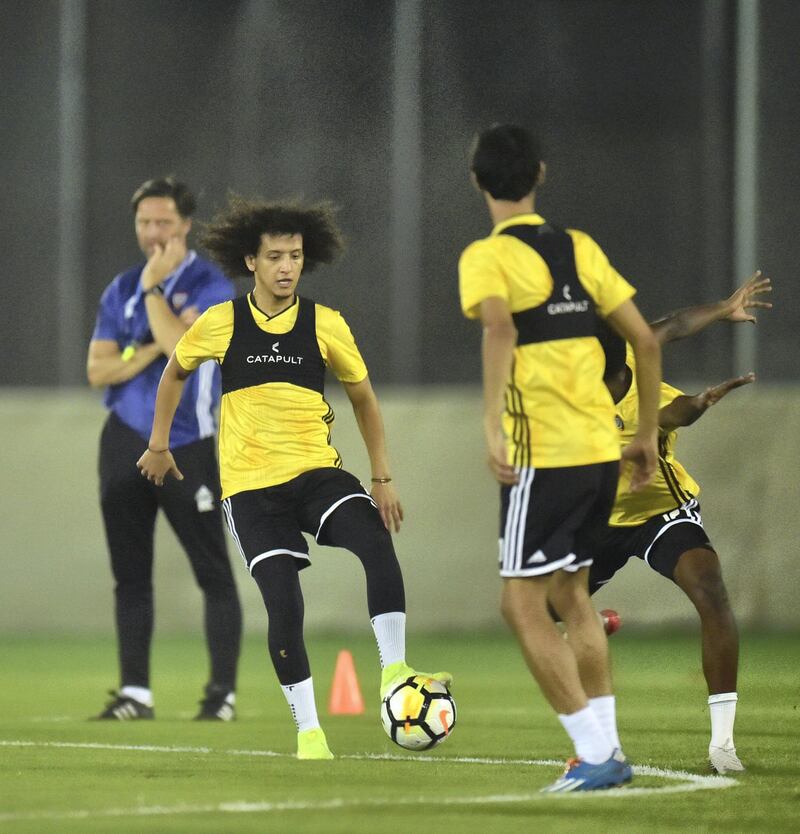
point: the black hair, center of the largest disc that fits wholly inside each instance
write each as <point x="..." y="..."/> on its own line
<point x="506" y="160"/>
<point x="185" y="202"/>
<point x="236" y="231"/>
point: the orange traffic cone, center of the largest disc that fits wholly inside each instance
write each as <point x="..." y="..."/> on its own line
<point x="345" y="692"/>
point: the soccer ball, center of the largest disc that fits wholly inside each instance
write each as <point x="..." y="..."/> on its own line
<point x="418" y="713"/>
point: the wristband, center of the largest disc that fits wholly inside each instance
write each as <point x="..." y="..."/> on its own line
<point x="128" y="353"/>
<point x="157" y="451"/>
<point x="156" y="290"/>
<point x="381" y="480"/>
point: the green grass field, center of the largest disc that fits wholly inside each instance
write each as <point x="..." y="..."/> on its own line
<point x="62" y="773"/>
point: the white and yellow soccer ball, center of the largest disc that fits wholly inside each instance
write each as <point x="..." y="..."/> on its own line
<point x="418" y="713"/>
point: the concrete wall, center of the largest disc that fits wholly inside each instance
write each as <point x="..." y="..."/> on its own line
<point x="55" y="575"/>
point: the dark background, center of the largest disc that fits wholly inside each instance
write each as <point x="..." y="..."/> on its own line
<point x="634" y="101"/>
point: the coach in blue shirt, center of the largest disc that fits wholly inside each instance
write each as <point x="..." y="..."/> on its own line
<point x="143" y="312"/>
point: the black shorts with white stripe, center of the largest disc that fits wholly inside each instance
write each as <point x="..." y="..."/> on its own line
<point x="659" y="542"/>
<point x="270" y="521"/>
<point x="552" y="518"/>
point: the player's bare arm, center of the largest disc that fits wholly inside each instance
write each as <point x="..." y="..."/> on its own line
<point x="736" y="308"/>
<point x="370" y="423"/>
<point x="166" y="327"/>
<point x="642" y="451"/>
<point x="157" y="461"/>
<point x="685" y="409"/>
<point x="106" y="364"/>
<point x="499" y="341"/>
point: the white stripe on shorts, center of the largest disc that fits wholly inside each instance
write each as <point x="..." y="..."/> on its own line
<point x="516" y="519"/>
<point x="691" y="517"/>
<point x="262" y="556"/>
<point x="338" y="503"/>
<point x="228" y="510"/>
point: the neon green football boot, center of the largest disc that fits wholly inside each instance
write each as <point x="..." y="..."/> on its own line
<point x="399" y="671"/>
<point x="311" y="744"/>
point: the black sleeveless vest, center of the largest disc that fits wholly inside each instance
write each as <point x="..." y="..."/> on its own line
<point x="569" y="312"/>
<point x="255" y="357"/>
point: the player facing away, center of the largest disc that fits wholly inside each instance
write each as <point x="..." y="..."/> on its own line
<point x="662" y="524"/>
<point x="540" y="293"/>
<point x="280" y="475"/>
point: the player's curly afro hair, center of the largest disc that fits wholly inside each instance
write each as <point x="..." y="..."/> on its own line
<point x="236" y="231"/>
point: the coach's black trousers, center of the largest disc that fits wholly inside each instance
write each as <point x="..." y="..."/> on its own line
<point x="130" y="504"/>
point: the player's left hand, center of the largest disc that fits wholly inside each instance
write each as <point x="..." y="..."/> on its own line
<point x="385" y="496"/>
<point x="713" y="395"/>
<point x="744" y="299"/>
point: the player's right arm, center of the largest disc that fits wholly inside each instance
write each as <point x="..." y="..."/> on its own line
<point x="157" y="461"/>
<point x="106" y="364"/>
<point x="642" y="451"/>
<point x="208" y="338"/>
<point x="736" y="308"/>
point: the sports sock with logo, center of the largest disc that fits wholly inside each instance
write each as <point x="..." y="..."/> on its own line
<point x="390" y="634"/>
<point x="300" y="697"/>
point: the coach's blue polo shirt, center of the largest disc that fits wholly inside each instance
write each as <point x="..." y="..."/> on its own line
<point x="122" y="317"/>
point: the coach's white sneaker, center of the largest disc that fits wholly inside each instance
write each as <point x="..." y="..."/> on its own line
<point x="724" y="759"/>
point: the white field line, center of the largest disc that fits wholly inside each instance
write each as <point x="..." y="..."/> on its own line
<point x="686" y="782"/>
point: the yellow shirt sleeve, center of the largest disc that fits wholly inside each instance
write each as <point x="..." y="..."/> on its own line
<point x="338" y="347"/>
<point x="667" y="393"/>
<point x="480" y="277"/>
<point x="207" y="338"/>
<point x="606" y="286"/>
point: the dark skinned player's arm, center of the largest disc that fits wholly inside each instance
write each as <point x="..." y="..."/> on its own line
<point x="683" y="323"/>
<point x="686" y="409"/>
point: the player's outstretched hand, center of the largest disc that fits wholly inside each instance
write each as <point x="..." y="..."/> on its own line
<point x="642" y="454"/>
<point x="155" y="466"/>
<point x="745" y="298"/>
<point x="385" y="496"/>
<point x="714" y="394"/>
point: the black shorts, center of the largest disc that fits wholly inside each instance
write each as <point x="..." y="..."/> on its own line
<point x="265" y="522"/>
<point x="660" y="542"/>
<point x="552" y="517"/>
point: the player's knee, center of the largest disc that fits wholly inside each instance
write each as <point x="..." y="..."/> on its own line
<point x="568" y="593"/>
<point x="707" y="591"/>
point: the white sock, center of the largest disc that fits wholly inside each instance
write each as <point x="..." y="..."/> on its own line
<point x="723" y="713"/>
<point x="139" y="693"/>
<point x="605" y="708"/>
<point x="390" y="633"/>
<point x="300" y="697"/>
<point x="591" y="743"/>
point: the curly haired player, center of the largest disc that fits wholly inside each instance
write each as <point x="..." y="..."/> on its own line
<point x="281" y="477"/>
